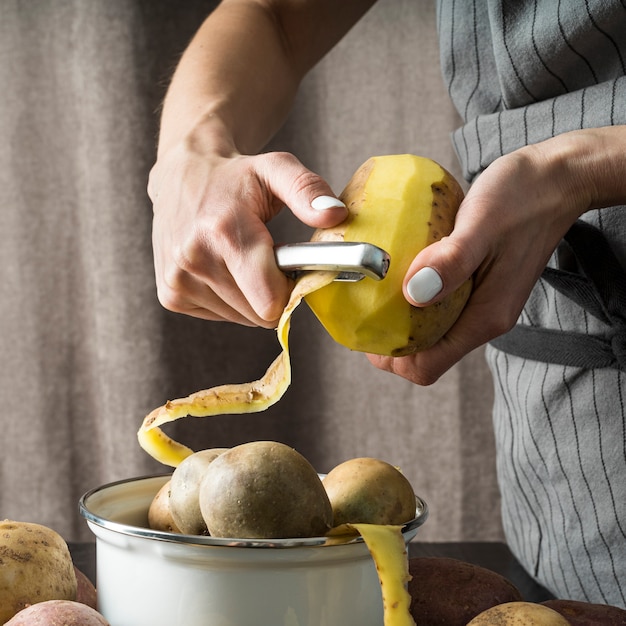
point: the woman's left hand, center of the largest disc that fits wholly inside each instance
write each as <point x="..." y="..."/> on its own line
<point x="506" y="229"/>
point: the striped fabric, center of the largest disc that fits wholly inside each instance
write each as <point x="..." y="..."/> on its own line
<point x="520" y="72"/>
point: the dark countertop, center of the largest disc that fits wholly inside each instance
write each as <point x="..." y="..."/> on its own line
<point x="492" y="555"/>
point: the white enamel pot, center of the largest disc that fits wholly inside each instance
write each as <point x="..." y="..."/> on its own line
<point x="147" y="577"/>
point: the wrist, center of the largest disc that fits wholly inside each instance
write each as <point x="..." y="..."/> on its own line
<point x="587" y="166"/>
<point x="198" y="148"/>
<point x="208" y="134"/>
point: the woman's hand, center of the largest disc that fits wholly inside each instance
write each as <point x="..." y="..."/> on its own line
<point x="507" y="227"/>
<point x="230" y="93"/>
<point x="213" y="253"/>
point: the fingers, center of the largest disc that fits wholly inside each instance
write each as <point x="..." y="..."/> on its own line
<point x="441" y="268"/>
<point x="475" y="326"/>
<point x="222" y="271"/>
<point x="214" y="256"/>
<point x="503" y="249"/>
<point x="305" y="193"/>
<point x="183" y="293"/>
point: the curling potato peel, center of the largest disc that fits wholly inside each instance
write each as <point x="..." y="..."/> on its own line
<point x="401" y="203"/>
<point x="250" y="397"/>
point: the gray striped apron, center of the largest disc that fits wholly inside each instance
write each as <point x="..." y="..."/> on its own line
<point x="520" y="72"/>
<point x="599" y="288"/>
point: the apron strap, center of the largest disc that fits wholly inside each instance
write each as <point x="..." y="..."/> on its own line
<point x="600" y="289"/>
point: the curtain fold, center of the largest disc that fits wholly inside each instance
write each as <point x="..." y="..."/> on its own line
<point x="86" y="348"/>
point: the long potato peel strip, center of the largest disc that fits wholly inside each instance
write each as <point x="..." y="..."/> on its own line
<point x="389" y="552"/>
<point x="250" y="397"/>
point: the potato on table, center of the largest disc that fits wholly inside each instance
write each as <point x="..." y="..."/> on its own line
<point x="35" y="565"/>
<point x="451" y="592"/>
<point x="85" y="589"/>
<point x="588" y="614"/>
<point x="58" y="613"/>
<point x="519" y="614"/>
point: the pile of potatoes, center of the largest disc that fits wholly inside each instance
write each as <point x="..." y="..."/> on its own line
<point x="265" y="489"/>
<point x="39" y="583"/>
<point x="268" y="490"/>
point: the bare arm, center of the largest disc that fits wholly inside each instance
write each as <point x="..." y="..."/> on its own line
<point x="231" y="91"/>
<point x="245" y="63"/>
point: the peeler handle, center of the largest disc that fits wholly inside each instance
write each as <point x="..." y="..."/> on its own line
<point x="353" y="260"/>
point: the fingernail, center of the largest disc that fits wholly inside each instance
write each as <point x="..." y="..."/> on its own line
<point x="323" y="203"/>
<point x="425" y="285"/>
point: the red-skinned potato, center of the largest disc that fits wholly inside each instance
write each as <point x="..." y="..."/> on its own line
<point x="85" y="590"/>
<point x="587" y="614"/>
<point x="451" y="592"/>
<point x="58" y="613"/>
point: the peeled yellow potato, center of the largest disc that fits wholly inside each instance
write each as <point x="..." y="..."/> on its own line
<point x="401" y="203"/>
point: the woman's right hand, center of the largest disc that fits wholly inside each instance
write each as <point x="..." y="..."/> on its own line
<point x="213" y="253"/>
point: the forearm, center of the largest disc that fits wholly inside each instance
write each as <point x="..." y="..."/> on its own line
<point x="237" y="79"/>
<point x="587" y="167"/>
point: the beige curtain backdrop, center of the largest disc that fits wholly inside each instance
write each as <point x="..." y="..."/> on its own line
<point x="86" y="348"/>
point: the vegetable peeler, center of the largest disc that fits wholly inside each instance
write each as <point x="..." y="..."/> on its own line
<point x="353" y="260"/>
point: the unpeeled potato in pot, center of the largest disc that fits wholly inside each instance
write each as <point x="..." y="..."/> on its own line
<point x="400" y="203"/>
<point x="264" y="490"/>
<point x="184" y="491"/>
<point x="35" y="565"/>
<point x="85" y="590"/>
<point x="369" y="491"/>
<point x="159" y="511"/>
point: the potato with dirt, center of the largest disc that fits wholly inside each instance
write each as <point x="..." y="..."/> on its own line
<point x="519" y="614"/>
<point x="369" y="491"/>
<point x="451" y="592"/>
<point x="264" y="490"/>
<point x="184" y="491"/>
<point x="35" y="565"/>
<point x="58" y="613"/>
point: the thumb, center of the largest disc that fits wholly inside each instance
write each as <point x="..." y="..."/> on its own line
<point x="307" y="194"/>
<point x="439" y="269"/>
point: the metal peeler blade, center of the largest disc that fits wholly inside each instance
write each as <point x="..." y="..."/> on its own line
<point x="353" y="260"/>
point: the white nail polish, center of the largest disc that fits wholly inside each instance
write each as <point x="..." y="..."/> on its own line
<point x="425" y="285"/>
<point x="323" y="203"/>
